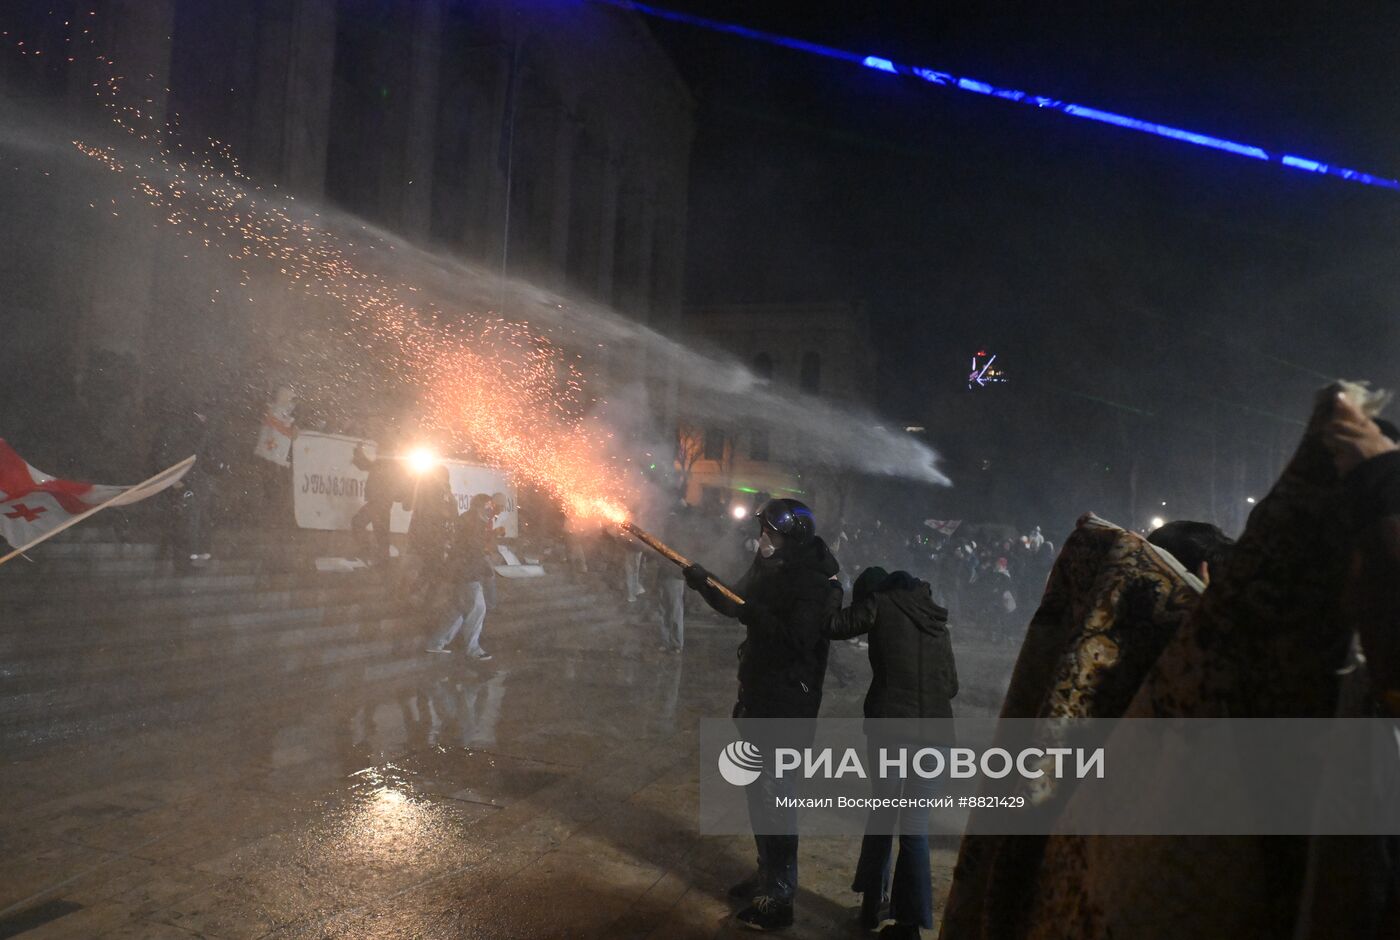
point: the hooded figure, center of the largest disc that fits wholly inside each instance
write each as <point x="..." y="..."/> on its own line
<point x="188" y="431"/>
<point x="790" y="593"/>
<point x="909" y="704"/>
<point x="911" y="654"/>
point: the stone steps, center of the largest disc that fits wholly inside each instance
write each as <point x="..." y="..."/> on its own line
<point x="58" y="548"/>
<point x="99" y="608"/>
<point x="29" y="637"/>
<point x="164" y="619"/>
<point x="37" y="646"/>
<point x="100" y="635"/>
<point x="134" y="580"/>
<point x="83" y="661"/>
<point x="98" y="619"/>
<point x="78" y="693"/>
<point x="99" y="717"/>
<point x="19" y="573"/>
<point x="42" y="690"/>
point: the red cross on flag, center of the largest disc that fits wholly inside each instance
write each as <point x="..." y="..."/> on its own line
<point x="35" y="505"/>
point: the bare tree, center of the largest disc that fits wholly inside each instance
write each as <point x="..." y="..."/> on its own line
<point x="690" y="449"/>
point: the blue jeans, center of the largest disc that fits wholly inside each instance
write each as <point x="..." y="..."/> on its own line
<point x="670" y="600"/>
<point x="632" y="574"/>
<point x="488" y="590"/>
<point x="911" y="896"/>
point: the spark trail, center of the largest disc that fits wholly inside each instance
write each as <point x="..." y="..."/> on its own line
<point x="496" y="387"/>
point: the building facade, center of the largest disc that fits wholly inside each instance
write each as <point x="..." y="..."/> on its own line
<point x="547" y="140"/>
<point x="819" y="349"/>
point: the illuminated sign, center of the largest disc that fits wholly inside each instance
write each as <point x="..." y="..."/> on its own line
<point x="984" y="371"/>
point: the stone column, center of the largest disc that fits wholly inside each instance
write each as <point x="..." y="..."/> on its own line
<point x="291" y="120"/>
<point x="485" y="187"/>
<point x="531" y="178"/>
<point x="643" y="248"/>
<point x="566" y="135"/>
<point x="668" y="266"/>
<point x="420" y="118"/>
<point x="610" y="208"/>
<point x="398" y="119"/>
<point x="668" y="281"/>
<point x="113" y="355"/>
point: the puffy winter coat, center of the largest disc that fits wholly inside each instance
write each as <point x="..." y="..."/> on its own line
<point x="911" y="656"/>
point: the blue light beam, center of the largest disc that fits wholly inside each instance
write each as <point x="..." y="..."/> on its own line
<point x="963" y="83"/>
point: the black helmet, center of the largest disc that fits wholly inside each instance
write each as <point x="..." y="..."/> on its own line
<point x="788" y="518"/>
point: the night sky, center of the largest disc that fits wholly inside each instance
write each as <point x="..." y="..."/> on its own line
<point x="1147" y="298"/>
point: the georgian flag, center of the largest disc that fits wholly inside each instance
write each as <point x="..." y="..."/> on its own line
<point x="275" y="439"/>
<point x="279" y="429"/>
<point x="35" y="505"/>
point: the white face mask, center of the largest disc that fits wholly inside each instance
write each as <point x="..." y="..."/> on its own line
<point x="765" y="547"/>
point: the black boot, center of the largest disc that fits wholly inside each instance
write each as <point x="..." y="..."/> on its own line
<point x="766" y="913"/>
<point x="872" y="905"/>
<point x="899" y="932"/>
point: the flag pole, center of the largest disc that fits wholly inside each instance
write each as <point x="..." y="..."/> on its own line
<point x="132" y="494"/>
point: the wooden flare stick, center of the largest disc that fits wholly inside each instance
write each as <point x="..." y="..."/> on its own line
<point x="670" y="554"/>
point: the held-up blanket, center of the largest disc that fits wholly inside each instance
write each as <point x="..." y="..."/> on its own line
<point x="1266" y="640"/>
<point x="1111" y="605"/>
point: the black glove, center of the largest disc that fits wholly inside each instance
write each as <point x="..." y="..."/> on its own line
<point x="749" y="614"/>
<point x="696" y="577"/>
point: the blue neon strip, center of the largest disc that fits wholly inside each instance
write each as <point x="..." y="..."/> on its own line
<point x="773" y="39"/>
<point x="947" y="79"/>
<point x="1162" y="130"/>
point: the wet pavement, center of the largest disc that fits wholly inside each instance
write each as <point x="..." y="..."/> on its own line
<point x="550" y="792"/>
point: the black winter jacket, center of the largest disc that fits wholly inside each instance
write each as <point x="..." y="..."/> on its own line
<point x="911" y="656"/>
<point x="466" y="558"/>
<point x="788" y="601"/>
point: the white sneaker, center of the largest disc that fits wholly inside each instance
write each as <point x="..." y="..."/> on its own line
<point x="436" y="649"/>
<point x="481" y="654"/>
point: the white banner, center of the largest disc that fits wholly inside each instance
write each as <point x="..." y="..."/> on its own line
<point x="327" y="488"/>
<point x="468" y="479"/>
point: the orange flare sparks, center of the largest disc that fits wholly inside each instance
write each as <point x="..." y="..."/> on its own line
<point x="493" y="387"/>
